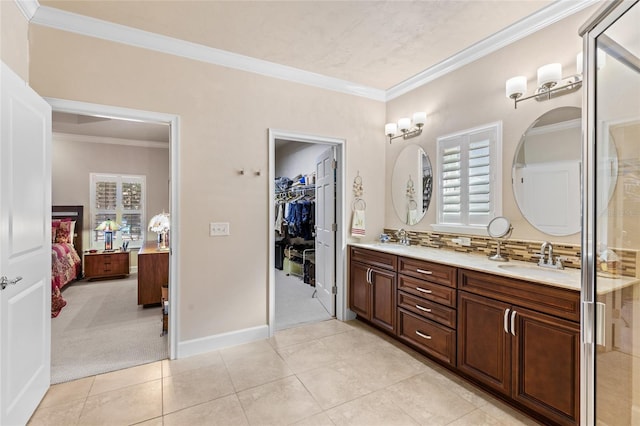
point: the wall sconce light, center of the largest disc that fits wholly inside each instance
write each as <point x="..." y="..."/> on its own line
<point x="404" y="125"/>
<point x="550" y="84"/>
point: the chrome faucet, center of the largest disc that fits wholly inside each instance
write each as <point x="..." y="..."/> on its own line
<point x="403" y="237"/>
<point x="550" y="262"/>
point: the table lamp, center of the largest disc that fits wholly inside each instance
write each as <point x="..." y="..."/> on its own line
<point x="108" y="227"/>
<point x="161" y="224"/>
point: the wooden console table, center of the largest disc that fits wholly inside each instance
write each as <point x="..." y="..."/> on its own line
<point x="153" y="273"/>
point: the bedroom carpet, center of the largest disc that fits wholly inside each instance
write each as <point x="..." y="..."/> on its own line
<point x="294" y="304"/>
<point x="103" y="329"/>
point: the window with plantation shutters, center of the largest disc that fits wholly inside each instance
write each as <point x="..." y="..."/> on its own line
<point x="469" y="165"/>
<point x="120" y="198"/>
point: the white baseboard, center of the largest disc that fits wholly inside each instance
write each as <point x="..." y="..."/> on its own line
<point x="220" y="341"/>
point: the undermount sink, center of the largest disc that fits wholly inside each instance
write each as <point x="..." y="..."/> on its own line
<point x="534" y="271"/>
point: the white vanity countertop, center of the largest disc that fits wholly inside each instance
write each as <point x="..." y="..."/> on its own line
<point x="568" y="278"/>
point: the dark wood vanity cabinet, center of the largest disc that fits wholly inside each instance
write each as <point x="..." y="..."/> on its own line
<point x="515" y="338"/>
<point x="527" y="355"/>
<point x="372" y="287"/>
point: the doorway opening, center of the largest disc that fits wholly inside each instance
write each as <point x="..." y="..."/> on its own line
<point x="121" y="311"/>
<point x="306" y="276"/>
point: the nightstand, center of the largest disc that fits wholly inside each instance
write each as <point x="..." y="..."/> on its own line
<point x="106" y="265"/>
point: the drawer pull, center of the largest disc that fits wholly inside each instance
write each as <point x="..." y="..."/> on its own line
<point x="424" y="290"/>
<point x="423" y="309"/>
<point x="422" y="271"/>
<point x="506" y="323"/>
<point x="424" y="336"/>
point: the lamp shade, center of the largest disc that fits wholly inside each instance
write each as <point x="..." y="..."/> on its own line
<point x="108" y="225"/>
<point x="549" y="74"/>
<point x="160" y="223"/>
<point x="516" y="86"/>
<point x="404" y="124"/>
<point x="390" y="129"/>
<point x="419" y="118"/>
<point x="579" y="63"/>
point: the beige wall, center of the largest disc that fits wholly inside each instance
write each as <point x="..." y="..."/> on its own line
<point x="224" y="117"/>
<point x="475" y="95"/>
<point x="14" y="41"/>
<point x="74" y="160"/>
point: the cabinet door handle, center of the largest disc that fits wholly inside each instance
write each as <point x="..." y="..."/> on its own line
<point x="513" y="323"/>
<point x="423" y="309"/>
<point x="368" y="276"/>
<point x="422" y="271"/>
<point x="424" y="290"/>
<point x="506" y="320"/>
<point x="424" y="336"/>
<point x="371" y="277"/>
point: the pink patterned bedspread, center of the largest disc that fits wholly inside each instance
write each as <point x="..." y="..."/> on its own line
<point x="65" y="266"/>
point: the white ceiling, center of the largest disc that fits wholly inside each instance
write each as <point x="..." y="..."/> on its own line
<point x="373" y="43"/>
<point x="377" y="44"/>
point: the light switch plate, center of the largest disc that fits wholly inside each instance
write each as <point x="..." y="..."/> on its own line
<point x="218" y="229"/>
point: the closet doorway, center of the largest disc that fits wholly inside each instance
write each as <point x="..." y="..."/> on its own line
<point x="306" y="177"/>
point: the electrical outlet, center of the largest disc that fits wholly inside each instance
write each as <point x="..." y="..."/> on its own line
<point x="217" y="229"/>
<point x="465" y="241"/>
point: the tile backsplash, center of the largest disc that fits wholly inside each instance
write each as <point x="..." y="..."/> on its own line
<point x="523" y="250"/>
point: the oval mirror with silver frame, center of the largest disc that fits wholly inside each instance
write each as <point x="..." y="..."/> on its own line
<point x="499" y="228"/>
<point x="411" y="184"/>
<point x="546" y="172"/>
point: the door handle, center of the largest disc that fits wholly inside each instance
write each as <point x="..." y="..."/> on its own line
<point x="371" y="277"/>
<point x="506" y="324"/>
<point x="4" y="282"/>
<point x="513" y="323"/>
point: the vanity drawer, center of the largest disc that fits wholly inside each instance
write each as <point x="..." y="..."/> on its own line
<point x="434" y="272"/>
<point x="428" y="290"/>
<point x="434" y="339"/>
<point x="433" y="311"/>
<point x="374" y="258"/>
<point x="548" y="299"/>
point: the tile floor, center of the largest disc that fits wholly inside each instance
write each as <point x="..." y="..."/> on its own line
<point x="327" y="373"/>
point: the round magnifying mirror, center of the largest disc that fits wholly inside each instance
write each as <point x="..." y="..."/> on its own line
<point x="498" y="228"/>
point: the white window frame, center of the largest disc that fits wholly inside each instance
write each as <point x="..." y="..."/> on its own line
<point x="119" y="210"/>
<point x="495" y="179"/>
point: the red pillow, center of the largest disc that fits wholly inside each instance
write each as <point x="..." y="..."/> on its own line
<point x="63" y="233"/>
<point x="54" y="230"/>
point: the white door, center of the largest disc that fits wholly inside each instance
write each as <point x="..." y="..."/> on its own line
<point x="25" y="249"/>
<point x="325" y="230"/>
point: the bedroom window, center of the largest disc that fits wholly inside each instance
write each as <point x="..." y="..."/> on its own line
<point x="469" y="175"/>
<point x="120" y="198"/>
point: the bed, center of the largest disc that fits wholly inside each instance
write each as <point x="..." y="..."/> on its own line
<point x="66" y="249"/>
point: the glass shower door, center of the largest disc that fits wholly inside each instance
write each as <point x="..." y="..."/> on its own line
<point x="611" y="241"/>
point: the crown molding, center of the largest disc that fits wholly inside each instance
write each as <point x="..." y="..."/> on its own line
<point x="84" y="25"/>
<point x="527" y="26"/>
<point x="92" y="27"/>
<point x="70" y="137"/>
<point x="28" y="7"/>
